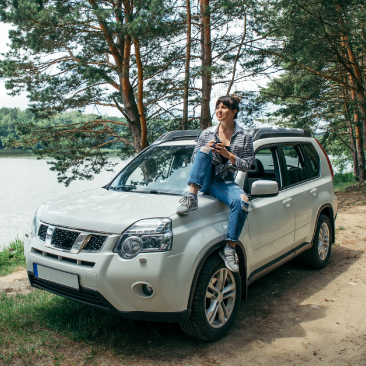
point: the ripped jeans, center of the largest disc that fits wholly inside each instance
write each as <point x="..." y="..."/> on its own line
<point x="227" y="191"/>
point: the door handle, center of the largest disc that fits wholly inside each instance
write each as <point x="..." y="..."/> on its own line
<point x="287" y="202"/>
<point x="314" y="191"/>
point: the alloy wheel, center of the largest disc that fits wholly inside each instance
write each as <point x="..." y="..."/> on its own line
<point x="220" y="298"/>
<point x="323" y="241"/>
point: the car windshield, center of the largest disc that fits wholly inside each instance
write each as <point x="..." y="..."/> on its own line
<point x="160" y="169"/>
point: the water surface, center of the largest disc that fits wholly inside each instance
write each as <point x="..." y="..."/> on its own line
<point x="25" y="183"/>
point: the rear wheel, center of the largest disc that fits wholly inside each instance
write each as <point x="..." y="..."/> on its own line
<point x="318" y="255"/>
<point x="216" y="301"/>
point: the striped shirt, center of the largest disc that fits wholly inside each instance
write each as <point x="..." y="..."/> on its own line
<point x="241" y="145"/>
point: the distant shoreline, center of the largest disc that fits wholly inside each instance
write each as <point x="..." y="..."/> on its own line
<point x="10" y="153"/>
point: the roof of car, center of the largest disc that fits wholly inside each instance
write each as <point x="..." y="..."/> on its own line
<point x="257" y="134"/>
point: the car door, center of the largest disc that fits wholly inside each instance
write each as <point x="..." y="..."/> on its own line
<point x="302" y="166"/>
<point x="271" y="219"/>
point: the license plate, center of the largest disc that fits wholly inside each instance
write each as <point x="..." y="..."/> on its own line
<point x="54" y="275"/>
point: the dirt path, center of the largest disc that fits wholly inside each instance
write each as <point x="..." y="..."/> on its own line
<point x="294" y="316"/>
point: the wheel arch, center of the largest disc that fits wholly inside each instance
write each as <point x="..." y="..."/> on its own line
<point x="326" y="210"/>
<point x="213" y="250"/>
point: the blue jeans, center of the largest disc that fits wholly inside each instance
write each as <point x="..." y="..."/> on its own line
<point x="226" y="191"/>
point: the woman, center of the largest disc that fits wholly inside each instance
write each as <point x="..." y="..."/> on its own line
<point x="220" y="152"/>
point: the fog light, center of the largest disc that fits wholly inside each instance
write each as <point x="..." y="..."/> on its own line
<point x="147" y="290"/>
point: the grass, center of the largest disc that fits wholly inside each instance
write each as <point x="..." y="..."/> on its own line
<point x="42" y="328"/>
<point x="12" y="257"/>
<point x="343" y="181"/>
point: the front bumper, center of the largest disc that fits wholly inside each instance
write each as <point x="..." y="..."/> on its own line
<point x="106" y="280"/>
<point x="95" y="299"/>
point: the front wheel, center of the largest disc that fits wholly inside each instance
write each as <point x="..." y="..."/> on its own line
<point x="318" y="255"/>
<point x="216" y="301"/>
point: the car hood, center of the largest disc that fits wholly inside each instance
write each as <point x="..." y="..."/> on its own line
<point x="107" y="211"/>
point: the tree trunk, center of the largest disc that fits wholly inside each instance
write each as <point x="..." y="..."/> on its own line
<point x="351" y="138"/>
<point x="358" y="137"/>
<point x="140" y="94"/>
<point x="359" y="148"/>
<point x="128" y="98"/>
<point x="206" y="63"/>
<point x="186" y="75"/>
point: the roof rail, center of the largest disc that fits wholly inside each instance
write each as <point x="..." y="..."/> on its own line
<point x="177" y="135"/>
<point x="268" y="132"/>
<point x="257" y="134"/>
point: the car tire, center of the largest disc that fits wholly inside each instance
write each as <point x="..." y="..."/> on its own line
<point x="216" y="301"/>
<point x="318" y="255"/>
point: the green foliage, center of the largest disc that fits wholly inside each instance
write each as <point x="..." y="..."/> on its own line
<point x="343" y="180"/>
<point x="12" y="257"/>
<point x="68" y="55"/>
<point x="308" y="50"/>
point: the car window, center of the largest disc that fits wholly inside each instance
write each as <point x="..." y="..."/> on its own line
<point x="264" y="167"/>
<point x="312" y="160"/>
<point x="266" y="158"/>
<point x="164" y="169"/>
<point x="294" y="164"/>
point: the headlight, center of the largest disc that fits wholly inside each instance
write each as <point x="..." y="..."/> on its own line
<point x="150" y="235"/>
<point x="35" y="223"/>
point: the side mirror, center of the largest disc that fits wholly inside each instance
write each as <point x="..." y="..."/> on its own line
<point x="264" y="188"/>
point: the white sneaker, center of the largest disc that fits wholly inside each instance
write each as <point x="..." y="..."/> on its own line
<point x="188" y="204"/>
<point x="229" y="256"/>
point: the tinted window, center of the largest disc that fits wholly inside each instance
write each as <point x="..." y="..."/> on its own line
<point x="312" y="160"/>
<point x="295" y="166"/>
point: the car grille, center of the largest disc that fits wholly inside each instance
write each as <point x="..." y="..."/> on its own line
<point x="64" y="239"/>
<point x="42" y="232"/>
<point x="95" y="243"/>
<point x="82" y="296"/>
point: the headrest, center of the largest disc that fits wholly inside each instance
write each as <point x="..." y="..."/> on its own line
<point x="256" y="168"/>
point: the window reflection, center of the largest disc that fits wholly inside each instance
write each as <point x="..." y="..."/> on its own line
<point x="162" y="168"/>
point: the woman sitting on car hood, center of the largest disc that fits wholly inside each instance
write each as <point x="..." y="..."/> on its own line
<point x="220" y="152"/>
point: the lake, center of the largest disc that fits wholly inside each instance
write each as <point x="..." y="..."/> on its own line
<point x="25" y="183"/>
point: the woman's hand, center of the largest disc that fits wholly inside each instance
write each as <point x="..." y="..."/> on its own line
<point x="220" y="149"/>
<point x="211" y="144"/>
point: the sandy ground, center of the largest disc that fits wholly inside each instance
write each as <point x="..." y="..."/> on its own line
<point x="294" y="315"/>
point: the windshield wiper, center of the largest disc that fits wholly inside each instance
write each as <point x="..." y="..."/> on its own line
<point x="133" y="189"/>
<point x="123" y="188"/>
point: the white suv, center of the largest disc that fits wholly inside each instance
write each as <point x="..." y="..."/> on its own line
<point x="122" y="248"/>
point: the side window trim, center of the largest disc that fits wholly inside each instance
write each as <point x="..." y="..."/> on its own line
<point x="282" y="161"/>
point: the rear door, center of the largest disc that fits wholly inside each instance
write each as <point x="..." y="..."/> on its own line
<point x="271" y="220"/>
<point x="301" y="168"/>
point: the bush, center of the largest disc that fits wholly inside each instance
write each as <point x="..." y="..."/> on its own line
<point x="343" y="180"/>
<point x="12" y="257"/>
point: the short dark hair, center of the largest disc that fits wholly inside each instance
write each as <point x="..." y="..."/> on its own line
<point x="230" y="101"/>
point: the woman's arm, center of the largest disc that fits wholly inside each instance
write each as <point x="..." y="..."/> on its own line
<point x="245" y="157"/>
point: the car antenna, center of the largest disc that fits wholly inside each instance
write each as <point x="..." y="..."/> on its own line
<point x="197" y="138"/>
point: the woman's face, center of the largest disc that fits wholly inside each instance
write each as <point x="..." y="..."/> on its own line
<point x="225" y="114"/>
